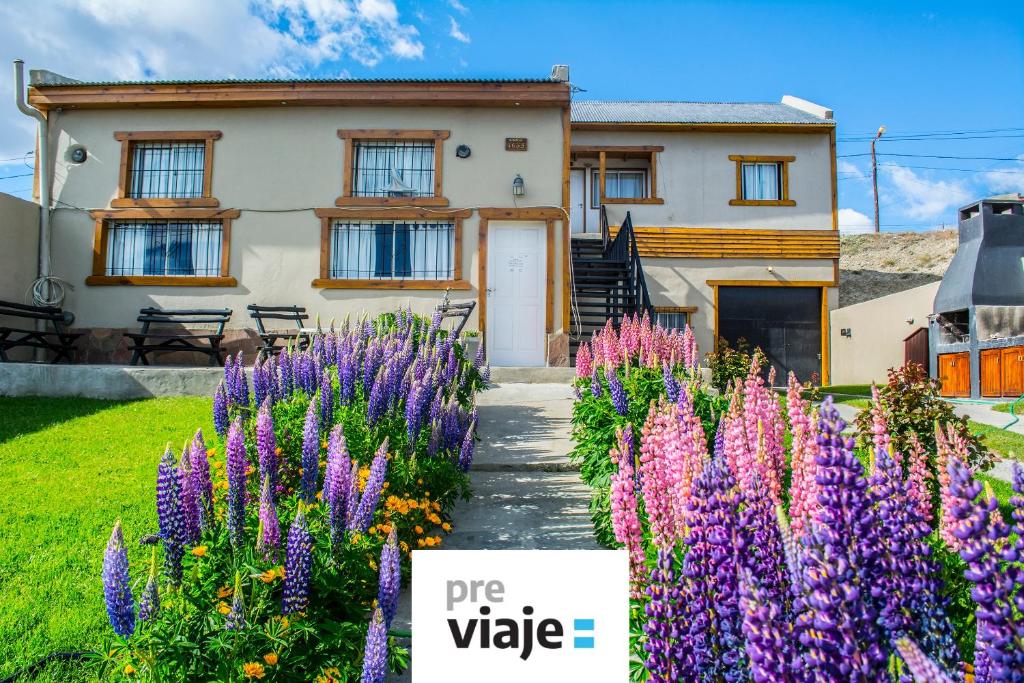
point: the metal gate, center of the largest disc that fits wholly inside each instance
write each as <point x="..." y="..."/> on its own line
<point x="784" y="322"/>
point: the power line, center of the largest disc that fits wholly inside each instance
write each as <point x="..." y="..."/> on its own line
<point x="21" y="158"/>
<point x="22" y="175"/>
<point x="933" y="168"/>
<point x="929" y="156"/>
<point x="932" y="133"/>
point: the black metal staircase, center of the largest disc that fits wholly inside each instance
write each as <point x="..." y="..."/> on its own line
<point x="608" y="281"/>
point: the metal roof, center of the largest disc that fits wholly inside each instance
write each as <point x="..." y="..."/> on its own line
<point x="608" y="111"/>
<point x="43" y="78"/>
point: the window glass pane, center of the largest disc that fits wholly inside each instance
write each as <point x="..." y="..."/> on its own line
<point x="153" y="247"/>
<point x="761" y="181"/>
<point x="631" y="184"/>
<point x="166" y="170"/>
<point x="393" y="168"/>
<point x="386" y="250"/>
<point x="673" y="321"/>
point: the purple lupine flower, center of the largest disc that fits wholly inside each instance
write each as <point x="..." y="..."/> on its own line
<point x="236" y="466"/>
<point x="297" y="566"/>
<point x="761" y="549"/>
<point x="714" y="642"/>
<point x="266" y="443"/>
<point x="201" y="473"/>
<point x="269" y="539"/>
<point x="719" y="445"/>
<point x="837" y="626"/>
<point x="220" y="410"/>
<point x="478" y="359"/>
<point x="617" y="391"/>
<point x="285" y="368"/>
<point x="466" y="450"/>
<point x="390" y="577"/>
<point x="918" y="663"/>
<point x="241" y="382"/>
<point x="169" y="514"/>
<point x="983" y="532"/>
<point x="352" y="499"/>
<point x="326" y="400"/>
<point x="191" y="504"/>
<point x="671" y="383"/>
<point x="229" y="378"/>
<point x="371" y="491"/>
<point x="378" y="399"/>
<point x="376" y="651"/>
<point x="595" y="384"/>
<point x="769" y="635"/>
<point x="149" y="601"/>
<point x="337" y="484"/>
<point x="260" y="382"/>
<point x="434" y="442"/>
<point x="310" y="453"/>
<point x="908" y="588"/>
<point x="665" y="620"/>
<point x="235" y="619"/>
<point x="485" y="374"/>
<point x="117" y="586"/>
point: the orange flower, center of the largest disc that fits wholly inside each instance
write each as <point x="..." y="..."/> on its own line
<point x="413" y="504"/>
<point x="418" y="529"/>
<point x="225" y="592"/>
<point x="373" y="565"/>
<point x="436" y="506"/>
<point x="446" y="526"/>
<point x="270" y="658"/>
<point x="199" y="551"/>
<point x="419" y="542"/>
<point x="211" y="452"/>
<point x="271" y="574"/>
<point x="419" y="482"/>
<point x="223" y="607"/>
<point x="129" y="669"/>
<point x="253" y="670"/>
<point x="277" y="451"/>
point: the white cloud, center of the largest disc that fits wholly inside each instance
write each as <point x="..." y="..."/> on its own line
<point x="921" y="198"/>
<point x="456" y="32"/>
<point x="148" y="39"/>
<point x="458" y="6"/>
<point x="1004" y="180"/>
<point x="852" y="222"/>
<point x="852" y="171"/>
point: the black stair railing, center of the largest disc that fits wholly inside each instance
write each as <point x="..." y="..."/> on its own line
<point x="624" y="248"/>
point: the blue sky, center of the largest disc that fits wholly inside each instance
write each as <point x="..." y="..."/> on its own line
<point x="949" y="74"/>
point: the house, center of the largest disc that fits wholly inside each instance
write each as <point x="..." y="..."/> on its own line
<point x="350" y="196"/>
<point x="734" y="215"/>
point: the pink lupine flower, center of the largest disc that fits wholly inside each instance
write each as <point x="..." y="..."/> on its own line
<point x="947" y="518"/>
<point x="655" y="484"/>
<point x="690" y="357"/>
<point x="879" y="427"/>
<point x="803" y="490"/>
<point x="584" y="363"/>
<point x="917" y="479"/>
<point x="625" y="515"/>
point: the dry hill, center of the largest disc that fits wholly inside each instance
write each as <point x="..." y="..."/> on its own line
<point x="872" y="265"/>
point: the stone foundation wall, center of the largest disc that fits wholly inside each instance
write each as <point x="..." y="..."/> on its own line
<point x="101" y="346"/>
<point x="558" y="350"/>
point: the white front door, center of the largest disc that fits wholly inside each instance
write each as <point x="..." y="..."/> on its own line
<point x="577" y="199"/>
<point x="516" y="293"/>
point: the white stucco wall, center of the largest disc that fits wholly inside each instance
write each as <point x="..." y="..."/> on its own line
<point x="276" y="165"/>
<point x="696" y="179"/>
<point x="877" y="328"/>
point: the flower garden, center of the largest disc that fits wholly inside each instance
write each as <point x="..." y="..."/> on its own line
<point x="769" y="543"/>
<point x="280" y="542"/>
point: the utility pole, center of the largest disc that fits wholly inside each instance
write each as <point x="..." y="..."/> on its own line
<point x="874" y="173"/>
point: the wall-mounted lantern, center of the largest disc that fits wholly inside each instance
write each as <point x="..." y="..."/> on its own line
<point x="518" y="186"/>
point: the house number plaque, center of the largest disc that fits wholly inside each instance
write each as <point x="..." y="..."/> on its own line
<point x="515" y="144"/>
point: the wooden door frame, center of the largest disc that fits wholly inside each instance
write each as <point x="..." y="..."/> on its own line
<point x="569" y="218"/>
<point x="823" y="285"/>
<point x="536" y="215"/>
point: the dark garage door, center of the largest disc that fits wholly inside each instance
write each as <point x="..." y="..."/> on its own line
<point x="785" y="322"/>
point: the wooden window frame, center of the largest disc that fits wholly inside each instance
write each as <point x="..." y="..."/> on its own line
<point x="327" y="216"/>
<point x="783" y="161"/>
<point x="688" y="310"/>
<point x="127" y="138"/>
<point x="619" y="200"/>
<point x="350" y="136"/>
<point x="635" y="151"/>
<point x="102" y="231"/>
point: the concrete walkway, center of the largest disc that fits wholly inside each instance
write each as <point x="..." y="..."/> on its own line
<point x="525" y="493"/>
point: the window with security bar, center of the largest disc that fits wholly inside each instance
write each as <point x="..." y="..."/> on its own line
<point x="164" y="248"/>
<point x="393" y="168"/>
<point x="672" y="320"/>
<point x="166" y="170"/>
<point x="392" y="250"/>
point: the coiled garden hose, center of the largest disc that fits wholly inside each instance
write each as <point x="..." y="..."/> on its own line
<point x="1013" y="412"/>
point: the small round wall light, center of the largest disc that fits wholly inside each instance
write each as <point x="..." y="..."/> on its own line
<point x="78" y="154"/>
<point x="518" y="186"/>
<point x="463" y="151"/>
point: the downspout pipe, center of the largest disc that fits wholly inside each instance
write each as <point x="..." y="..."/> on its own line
<point x="41" y="290"/>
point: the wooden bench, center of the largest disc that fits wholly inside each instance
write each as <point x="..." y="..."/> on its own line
<point x="460" y="311"/>
<point x="271" y="338"/>
<point x="60" y="341"/>
<point x="145" y="341"/>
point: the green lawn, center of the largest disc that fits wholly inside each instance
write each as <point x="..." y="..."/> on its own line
<point x="850" y="394"/>
<point x="1006" y="443"/>
<point x="1005" y="408"/>
<point x="70" y="468"/>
